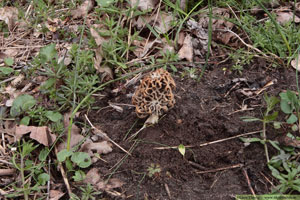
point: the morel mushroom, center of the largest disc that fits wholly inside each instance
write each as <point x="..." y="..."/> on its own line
<point x="154" y="96"/>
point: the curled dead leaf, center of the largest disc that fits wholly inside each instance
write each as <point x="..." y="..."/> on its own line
<point x="98" y="39"/>
<point x="103" y="147"/>
<point x="296" y="64"/>
<point x="83" y="9"/>
<point x="75" y="132"/>
<point x="56" y="194"/>
<point x="93" y="176"/>
<point x="9" y="15"/>
<point x="186" y="50"/>
<point x="103" y="69"/>
<point x="143" y="4"/>
<point x="17" y="80"/>
<point x="284" y="17"/>
<point x="162" y="22"/>
<point x="110" y="184"/>
<point x="40" y="134"/>
<point x="200" y="32"/>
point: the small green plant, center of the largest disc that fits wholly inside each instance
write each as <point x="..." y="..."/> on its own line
<point x="154" y="170"/>
<point x="240" y="58"/>
<point x="32" y="174"/>
<point x="80" y="159"/>
<point x="88" y="192"/>
<point x="268" y="117"/>
<point x="287" y="172"/>
<point x="283" y="166"/>
<point x="290" y="105"/>
<point x="67" y="86"/>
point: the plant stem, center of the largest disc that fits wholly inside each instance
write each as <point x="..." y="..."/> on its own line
<point x="265" y="141"/>
<point x="23" y="178"/>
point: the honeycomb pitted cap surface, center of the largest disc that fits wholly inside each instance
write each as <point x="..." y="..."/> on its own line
<point x="154" y="95"/>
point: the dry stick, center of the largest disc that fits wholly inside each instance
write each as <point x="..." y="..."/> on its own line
<point x="48" y="184"/>
<point x="267" y="178"/>
<point x="63" y="173"/>
<point x="249" y="184"/>
<point x="2" y="149"/>
<point x="158" y="10"/>
<point x="7" y="172"/>
<point x="129" y="35"/>
<point x="6" y="162"/>
<point x="220" y="169"/>
<point x="236" y="17"/>
<point x="168" y="191"/>
<point x="208" y="143"/>
<point x="104" y="135"/>
<point x="135" y="134"/>
<point x="248" y="45"/>
<point x="22" y="47"/>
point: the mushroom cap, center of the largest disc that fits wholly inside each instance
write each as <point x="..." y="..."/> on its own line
<point x="154" y="94"/>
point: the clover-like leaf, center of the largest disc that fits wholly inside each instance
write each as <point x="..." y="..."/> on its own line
<point x="82" y="159"/>
<point x="22" y="103"/>
<point x="53" y="116"/>
<point x="63" y="155"/>
<point x="43" y="178"/>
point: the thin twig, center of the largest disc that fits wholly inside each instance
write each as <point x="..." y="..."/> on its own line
<point x="7" y="172"/>
<point x="248" y="45"/>
<point x="168" y="191"/>
<point x="220" y="169"/>
<point x="136" y="133"/>
<point x="209" y="143"/>
<point x="63" y="173"/>
<point x="48" y="184"/>
<point x="104" y="135"/>
<point x="249" y="184"/>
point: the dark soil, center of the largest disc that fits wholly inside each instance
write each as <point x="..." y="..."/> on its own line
<point x="205" y="111"/>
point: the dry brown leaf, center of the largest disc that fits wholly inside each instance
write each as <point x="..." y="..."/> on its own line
<point x="103" y="69"/>
<point x="17" y="80"/>
<point x="167" y="46"/>
<point x="98" y="39"/>
<point x="181" y="38"/>
<point x="11" y="52"/>
<point x="224" y="37"/>
<point x="111" y="184"/>
<point x="294" y="63"/>
<point x="76" y="137"/>
<point x="83" y="9"/>
<point x="116" y="107"/>
<point x="284" y="17"/>
<point x="103" y="147"/>
<point x="9" y="15"/>
<point x="40" y="134"/>
<point x="162" y="22"/>
<point x="288" y="141"/>
<point x="143" y="4"/>
<point x="92" y="177"/>
<point x="56" y="194"/>
<point x="186" y="50"/>
<point x="50" y="27"/>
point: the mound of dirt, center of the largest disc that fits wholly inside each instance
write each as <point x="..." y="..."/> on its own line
<point x="205" y="111"/>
